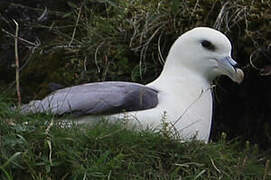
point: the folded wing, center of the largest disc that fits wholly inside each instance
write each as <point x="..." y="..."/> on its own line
<point x="96" y="98"/>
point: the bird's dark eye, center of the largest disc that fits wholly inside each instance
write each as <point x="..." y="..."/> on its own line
<point x="208" y="45"/>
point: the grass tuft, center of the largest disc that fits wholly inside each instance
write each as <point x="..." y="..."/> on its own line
<point x="37" y="147"/>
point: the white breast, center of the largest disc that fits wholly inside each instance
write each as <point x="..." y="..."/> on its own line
<point x="187" y="112"/>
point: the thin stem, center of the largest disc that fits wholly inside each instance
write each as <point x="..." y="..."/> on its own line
<point x="77" y="21"/>
<point x="17" y="64"/>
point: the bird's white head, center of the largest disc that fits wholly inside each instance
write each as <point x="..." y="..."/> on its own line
<point x="205" y="51"/>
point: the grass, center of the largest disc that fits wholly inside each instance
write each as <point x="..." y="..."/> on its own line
<point x="37" y="147"/>
<point x="123" y="40"/>
<point x="126" y="40"/>
<point x="107" y="40"/>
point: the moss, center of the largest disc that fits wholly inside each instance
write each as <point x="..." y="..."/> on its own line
<point x="45" y="69"/>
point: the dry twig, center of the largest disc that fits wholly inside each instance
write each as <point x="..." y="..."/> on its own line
<point x="17" y="64"/>
<point x="266" y="169"/>
<point x="77" y="21"/>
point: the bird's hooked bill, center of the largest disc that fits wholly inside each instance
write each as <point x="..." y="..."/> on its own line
<point x="232" y="69"/>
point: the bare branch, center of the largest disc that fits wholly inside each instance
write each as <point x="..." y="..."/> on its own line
<point x="24" y="40"/>
<point x="17" y="64"/>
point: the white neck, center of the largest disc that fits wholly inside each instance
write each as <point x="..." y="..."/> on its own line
<point x="175" y="75"/>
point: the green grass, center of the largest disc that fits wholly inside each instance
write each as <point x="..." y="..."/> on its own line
<point x="37" y="147"/>
<point x="123" y="40"/>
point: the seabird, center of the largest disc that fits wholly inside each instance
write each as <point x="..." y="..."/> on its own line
<point x="180" y="99"/>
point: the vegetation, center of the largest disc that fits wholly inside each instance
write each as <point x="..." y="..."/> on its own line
<point x="38" y="147"/>
<point x="71" y="42"/>
<point x="123" y="40"/>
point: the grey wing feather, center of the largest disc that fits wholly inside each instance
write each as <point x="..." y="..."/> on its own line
<point x="96" y="98"/>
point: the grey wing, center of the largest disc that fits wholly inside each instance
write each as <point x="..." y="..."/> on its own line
<point x="96" y="98"/>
